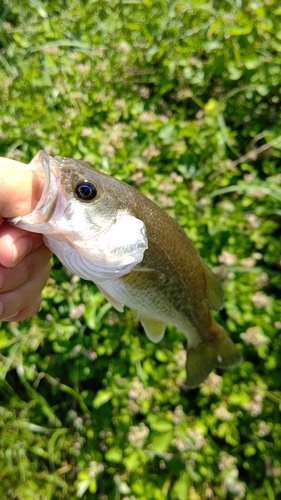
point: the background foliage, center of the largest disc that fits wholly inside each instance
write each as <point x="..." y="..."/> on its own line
<point x="181" y="99"/>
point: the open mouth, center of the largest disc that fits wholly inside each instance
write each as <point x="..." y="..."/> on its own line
<point x="46" y="166"/>
<point x="47" y="203"/>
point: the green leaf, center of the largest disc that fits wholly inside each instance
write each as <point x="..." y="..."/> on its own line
<point x="167" y="134"/>
<point x="181" y="488"/>
<point x="159" y="424"/>
<point x="82" y="487"/>
<point x="114" y="455"/>
<point x="93" y="485"/>
<point x="161" y="356"/>
<point x="102" y="397"/>
<point x="132" y="461"/>
<point x="161" y="442"/>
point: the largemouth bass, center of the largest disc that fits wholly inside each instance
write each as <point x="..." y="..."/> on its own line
<point x="107" y="232"/>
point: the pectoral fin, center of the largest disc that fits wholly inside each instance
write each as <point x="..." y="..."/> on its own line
<point x="154" y="329"/>
<point x="143" y="278"/>
<point x="215" y="293"/>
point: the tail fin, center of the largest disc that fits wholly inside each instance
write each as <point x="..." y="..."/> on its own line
<point x="218" y="352"/>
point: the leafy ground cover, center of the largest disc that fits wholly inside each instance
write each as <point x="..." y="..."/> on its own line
<point x="182" y="100"/>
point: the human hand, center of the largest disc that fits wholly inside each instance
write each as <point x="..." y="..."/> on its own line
<point x="24" y="259"/>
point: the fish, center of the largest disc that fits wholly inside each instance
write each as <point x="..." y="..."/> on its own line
<point x="107" y="232"/>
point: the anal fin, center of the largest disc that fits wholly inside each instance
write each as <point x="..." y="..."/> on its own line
<point x="154" y="329"/>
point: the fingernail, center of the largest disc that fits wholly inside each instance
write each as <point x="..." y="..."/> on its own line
<point x="21" y="248"/>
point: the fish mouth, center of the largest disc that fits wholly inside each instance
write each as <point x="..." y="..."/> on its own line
<point x="44" y="164"/>
<point x="47" y="203"/>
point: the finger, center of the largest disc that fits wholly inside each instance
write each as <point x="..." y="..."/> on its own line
<point x="30" y="267"/>
<point x="26" y="312"/>
<point x="16" y="243"/>
<point x="13" y="302"/>
<point x="20" y="190"/>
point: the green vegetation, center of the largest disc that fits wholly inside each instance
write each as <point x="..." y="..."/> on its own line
<point x="182" y="100"/>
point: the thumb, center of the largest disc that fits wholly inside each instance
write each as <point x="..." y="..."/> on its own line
<point x="20" y="188"/>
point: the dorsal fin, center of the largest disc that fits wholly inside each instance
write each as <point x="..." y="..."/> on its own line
<point x="214" y="290"/>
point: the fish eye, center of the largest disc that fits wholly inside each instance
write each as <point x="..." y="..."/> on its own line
<point x="85" y="191"/>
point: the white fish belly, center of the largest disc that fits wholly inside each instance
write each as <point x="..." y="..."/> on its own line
<point x="149" y="304"/>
